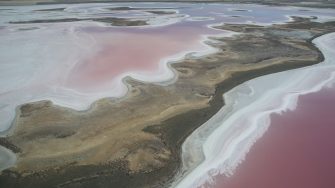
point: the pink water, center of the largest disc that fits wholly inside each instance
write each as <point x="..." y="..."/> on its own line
<point x="297" y="151"/>
<point x="135" y="50"/>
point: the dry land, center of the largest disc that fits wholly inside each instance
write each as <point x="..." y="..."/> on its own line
<point x="135" y="141"/>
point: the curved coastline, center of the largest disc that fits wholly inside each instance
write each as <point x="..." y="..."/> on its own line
<point x="223" y="89"/>
<point x="210" y="158"/>
<point x="170" y="76"/>
<point x="124" y="80"/>
<point x="8" y="157"/>
<point x="87" y="100"/>
<point x="164" y="75"/>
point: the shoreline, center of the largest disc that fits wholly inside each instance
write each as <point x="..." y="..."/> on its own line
<point x="202" y="49"/>
<point x="294" y="86"/>
<point x="204" y="134"/>
<point x="240" y="77"/>
<point x="164" y="68"/>
<point x="167" y="75"/>
<point x="168" y="128"/>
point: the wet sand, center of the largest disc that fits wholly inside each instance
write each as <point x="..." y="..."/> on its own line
<point x="296" y="151"/>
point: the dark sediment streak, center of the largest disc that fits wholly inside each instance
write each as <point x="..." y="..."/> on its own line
<point x="110" y="20"/>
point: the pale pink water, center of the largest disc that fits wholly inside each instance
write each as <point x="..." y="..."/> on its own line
<point x="297" y="151"/>
<point x="135" y="50"/>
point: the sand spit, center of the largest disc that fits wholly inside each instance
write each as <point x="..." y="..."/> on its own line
<point x="136" y="141"/>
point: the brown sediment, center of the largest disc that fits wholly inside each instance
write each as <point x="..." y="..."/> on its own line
<point x="7" y="144"/>
<point x="135" y="141"/>
<point x="110" y="20"/>
<point x="161" y="12"/>
<point x="137" y="8"/>
<point x="50" y="9"/>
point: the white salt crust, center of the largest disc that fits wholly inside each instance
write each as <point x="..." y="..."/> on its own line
<point x="220" y="145"/>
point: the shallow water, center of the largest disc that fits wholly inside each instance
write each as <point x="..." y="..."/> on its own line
<point x="296" y="150"/>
